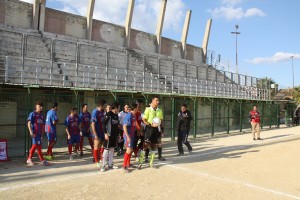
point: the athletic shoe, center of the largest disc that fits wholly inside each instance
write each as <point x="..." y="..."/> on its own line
<point x="190" y="151"/>
<point x="259" y="138"/>
<point x="161" y="158"/>
<point x="98" y="165"/>
<point x="102" y="169"/>
<point x="29" y="162"/>
<point x="126" y="170"/>
<point x="71" y="157"/>
<point x="45" y="163"/>
<point x="113" y="167"/>
<point x="81" y="153"/>
<point x="180" y="154"/>
<point x="47" y="157"/>
<point x="132" y="166"/>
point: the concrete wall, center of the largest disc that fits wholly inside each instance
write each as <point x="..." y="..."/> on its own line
<point x="16" y="13"/>
<point x="19" y="14"/>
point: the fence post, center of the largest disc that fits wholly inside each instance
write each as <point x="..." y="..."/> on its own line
<point x="195" y="117"/>
<point x="241" y="116"/>
<point x="173" y="120"/>
<point x="212" y="118"/>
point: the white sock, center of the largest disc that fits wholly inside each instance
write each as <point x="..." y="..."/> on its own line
<point x="111" y="156"/>
<point x="104" y="157"/>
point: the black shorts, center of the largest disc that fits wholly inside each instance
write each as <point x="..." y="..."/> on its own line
<point x="152" y="135"/>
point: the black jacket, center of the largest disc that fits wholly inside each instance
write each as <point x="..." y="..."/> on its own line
<point x="184" y="123"/>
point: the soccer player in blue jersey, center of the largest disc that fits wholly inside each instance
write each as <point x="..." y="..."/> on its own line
<point x="35" y="123"/>
<point x="50" y="129"/>
<point x="73" y="131"/>
<point x="129" y="126"/>
<point x="97" y="120"/>
<point x="85" y="118"/>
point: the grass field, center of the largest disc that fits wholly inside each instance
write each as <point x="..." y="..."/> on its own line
<point x="229" y="167"/>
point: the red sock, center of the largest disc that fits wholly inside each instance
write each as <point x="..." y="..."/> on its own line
<point x="126" y="156"/>
<point x="32" y="150"/>
<point x="49" y="152"/>
<point x="101" y="153"/>
<point x="128" y="162"/>
<point x="39" y="151"/>
<point x="95" y="153"/>
<point x="81" y="143"/>
<point x="70" y="148"/>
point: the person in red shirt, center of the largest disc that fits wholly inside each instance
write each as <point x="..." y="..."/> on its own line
<point x="254" y="118"/>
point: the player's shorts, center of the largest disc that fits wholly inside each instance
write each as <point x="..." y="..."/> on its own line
<point x="37" y="140"/>
<point x="99" y="135"/>
<point x="51" y="136"/>
<point x="87" y="134"/>
<point x="74" y="139"/>
<point x="127" y="144"/>
<point x="152" y="135"/>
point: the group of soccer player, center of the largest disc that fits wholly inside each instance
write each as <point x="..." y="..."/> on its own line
<point x="107" y="130"/>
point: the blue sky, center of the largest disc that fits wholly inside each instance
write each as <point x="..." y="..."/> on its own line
<point x="270" y="30"/>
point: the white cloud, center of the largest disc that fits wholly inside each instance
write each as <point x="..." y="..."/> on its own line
<point x="230" y="12"/>
<point x="144" y="17"/>
<point x="277" y="57"/>
<point x="231" y="2"/>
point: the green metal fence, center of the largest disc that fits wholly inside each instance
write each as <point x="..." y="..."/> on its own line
<point x="211" y="115"/>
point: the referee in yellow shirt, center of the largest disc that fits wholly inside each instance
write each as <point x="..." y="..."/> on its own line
<point x="153" y="132"/>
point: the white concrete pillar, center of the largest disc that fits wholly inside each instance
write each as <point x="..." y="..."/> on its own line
<point x="206" y="37"/>
<point x="42" y="15"/>
<point x="89" y="19"/>
<point x="160" y="23"/>
<point x="129" y="21"/>
<point x="35" y="16"/>
<point x="185" y="31"/>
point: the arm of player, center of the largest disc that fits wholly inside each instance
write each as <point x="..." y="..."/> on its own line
<point x="126" y="133"/>
<point x="30" y="129"/>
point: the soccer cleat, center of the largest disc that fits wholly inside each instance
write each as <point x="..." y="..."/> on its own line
<point x="45" y="163"/>
<point x="113" y="167"/>
<point x="81" y="153"/>
<point x="161" y="158"/>
<point x="102" y="169"/>
<point x="98" y="165"/>
<point x="190" y="151"/>
<point x="47" y="157"/>
<point x="126" y="170"/>
<point x="71" y="157"/>
<point x="180" y="154"/>
<point x="29" y="162"/>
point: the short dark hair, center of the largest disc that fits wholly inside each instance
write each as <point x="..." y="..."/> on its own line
<point x="114" y="105"/>
<point x="39" y="103"/>
<point x="101" y="102"/>
<point x="55" y="105"/>
<point x="139" y="101"/>
<point x="83" y="105"/>
<point x="184" y="105"/>
<point x="133" y="106"/>
<point x="73" y="109"/>
<point x="154" y="97"/>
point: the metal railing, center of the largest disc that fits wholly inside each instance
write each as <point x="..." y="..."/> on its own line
<point x="28" y="71"/>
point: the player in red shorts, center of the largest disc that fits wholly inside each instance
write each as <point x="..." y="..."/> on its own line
<point x="35" y="123"/>
<point x="97" y="120"/>
<point x="85" y="118"/>
<point x="73" y="131"/>
<point x="129" y="126"/>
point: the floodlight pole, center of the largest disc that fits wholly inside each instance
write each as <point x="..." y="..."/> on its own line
<point x="236" y="48"/>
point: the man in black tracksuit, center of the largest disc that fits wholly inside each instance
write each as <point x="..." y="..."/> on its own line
<point x="183" y="128"/>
